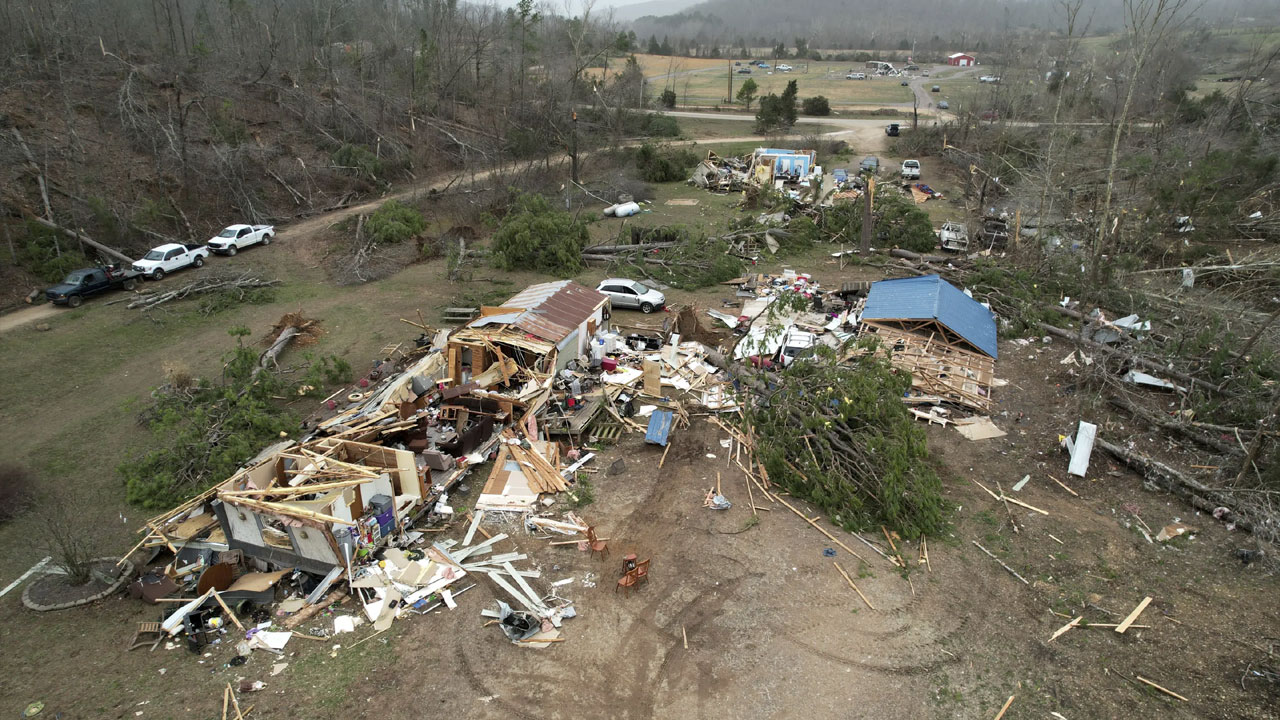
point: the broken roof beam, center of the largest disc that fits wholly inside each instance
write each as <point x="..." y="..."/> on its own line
<point x="289" y="510"/>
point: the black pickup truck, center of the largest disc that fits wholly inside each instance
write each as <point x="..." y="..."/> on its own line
<point x="80" y="284"/>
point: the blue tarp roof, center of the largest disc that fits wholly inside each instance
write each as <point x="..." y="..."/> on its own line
<point x="932" y="298"/>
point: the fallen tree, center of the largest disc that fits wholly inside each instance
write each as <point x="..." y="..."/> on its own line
<point x="237" y="284"/>
<point x="838" y="436"/>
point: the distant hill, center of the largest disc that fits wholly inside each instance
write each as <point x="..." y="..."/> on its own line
<point x="877" y="24"/>
<point x="632" y="11"/>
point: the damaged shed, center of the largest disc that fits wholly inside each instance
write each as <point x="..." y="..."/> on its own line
<point x="543" y="327"/>
<point x="942" y="336"/>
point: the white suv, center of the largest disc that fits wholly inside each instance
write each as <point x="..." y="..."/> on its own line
<point x="623" y="293"/>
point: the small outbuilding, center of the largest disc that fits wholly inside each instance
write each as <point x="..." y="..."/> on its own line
<point x="961" y="60"/>
<point x="542" y="328"/>
<point x="943" y="337"/>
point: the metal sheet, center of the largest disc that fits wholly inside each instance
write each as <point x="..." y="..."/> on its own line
<point x="659" y="427"/>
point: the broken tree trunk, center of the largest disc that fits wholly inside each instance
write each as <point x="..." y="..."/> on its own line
<point x="35" y="168"/>
<point x="608" y="249"/>
<point x="1163" y="476"/>
<point x="917" y="257"/>
<point x="1163" y="423"/>
<point x="1135" y="359"/>
<point x="270" y="355"/>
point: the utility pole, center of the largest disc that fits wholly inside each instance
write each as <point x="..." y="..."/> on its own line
<point x="573" y="147"/>
<point x="729" y="98"/>
<point x="866" y="217"/>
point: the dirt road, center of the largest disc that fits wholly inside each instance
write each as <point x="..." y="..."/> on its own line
<point x="26" y="316"/>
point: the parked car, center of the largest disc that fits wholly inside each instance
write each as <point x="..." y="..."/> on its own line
<point x="169" y="257"/>
<point x="797" y="345"/>
<point x="925" y="73"/>
<point x="784" y="68"/>
<point x="992" y="79"/>
<point x="737" y="63"/>
<point x="910" y="169"/>
<point x="954" y="236"/>
<point x="936" y="88"/>
<point x="744" y="71"/>
<point x="623" y="293"/>
<point x="912" y="68"/>
<point x="763" y="65"/>
<point x="891" y="130"/>
<point x="905" y="83"/>
<point x="237" y="237"/>
<point x="855" y="76"/>
<point x="944" y="105"/>
<point x="869" y="164"/>
<point x="80" y="284"/>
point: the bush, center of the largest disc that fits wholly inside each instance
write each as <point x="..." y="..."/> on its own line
<point x="668" y="98"/>
<point x="394" y="223"/>
<point x="536" y="236"/>
<point x="815" y="106"/>
<point x="664" y="164"/>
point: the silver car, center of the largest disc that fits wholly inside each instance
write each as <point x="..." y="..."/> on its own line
<point x="623" y="293"/>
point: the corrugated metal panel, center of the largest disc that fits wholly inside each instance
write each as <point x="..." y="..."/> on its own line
<point x="932" y="298"/>
<point x="659" y="427"/>
<point x="553" y="310"/>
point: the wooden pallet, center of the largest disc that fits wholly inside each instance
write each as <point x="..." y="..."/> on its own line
<point x="607" y="431"/>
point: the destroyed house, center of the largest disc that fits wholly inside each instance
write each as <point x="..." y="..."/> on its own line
<point x="943" y="337"/>
<point x="772" y="164"/>
<point x="312" y="507"/>
<point x="542" y="328"/>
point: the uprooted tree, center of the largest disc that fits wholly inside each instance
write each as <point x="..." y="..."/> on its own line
<point x="838" y="435"/>
<point x="202" y="430"/>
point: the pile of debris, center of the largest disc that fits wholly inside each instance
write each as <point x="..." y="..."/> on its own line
<point x="775" y="168"/>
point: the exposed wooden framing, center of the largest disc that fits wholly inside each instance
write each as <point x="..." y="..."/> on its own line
<point x="940" y="362"/>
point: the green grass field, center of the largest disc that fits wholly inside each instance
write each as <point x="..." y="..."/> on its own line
<point x="827" y="79"/>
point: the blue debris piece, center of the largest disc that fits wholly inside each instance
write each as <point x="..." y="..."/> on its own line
<point x="659" y="427"/>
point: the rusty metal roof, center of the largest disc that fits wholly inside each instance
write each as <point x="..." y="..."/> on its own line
<point x="553" y="310"/>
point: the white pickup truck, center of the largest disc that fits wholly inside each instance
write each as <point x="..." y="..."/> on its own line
<point x="910" y="169"/>
<point x="236" y="237"/>
<point x="167" y="258"/>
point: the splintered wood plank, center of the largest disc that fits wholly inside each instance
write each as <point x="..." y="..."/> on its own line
<point x="1124" y="624"/>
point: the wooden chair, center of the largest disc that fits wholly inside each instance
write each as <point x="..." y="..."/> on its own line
<point x="641" y="572"/>
<point x="596" y="544"/>
<point x="144" y="635"/>
<point x="627" y="582"/>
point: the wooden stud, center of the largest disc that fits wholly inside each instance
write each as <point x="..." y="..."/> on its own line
<point x="1161" y="688"/>
<point x="1074" y="622"/>
<point x="1064" y="487"/>
<point x="1007" y="703"/>
<point x="855" y="587"/>
<point x="1124" y="624"/>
